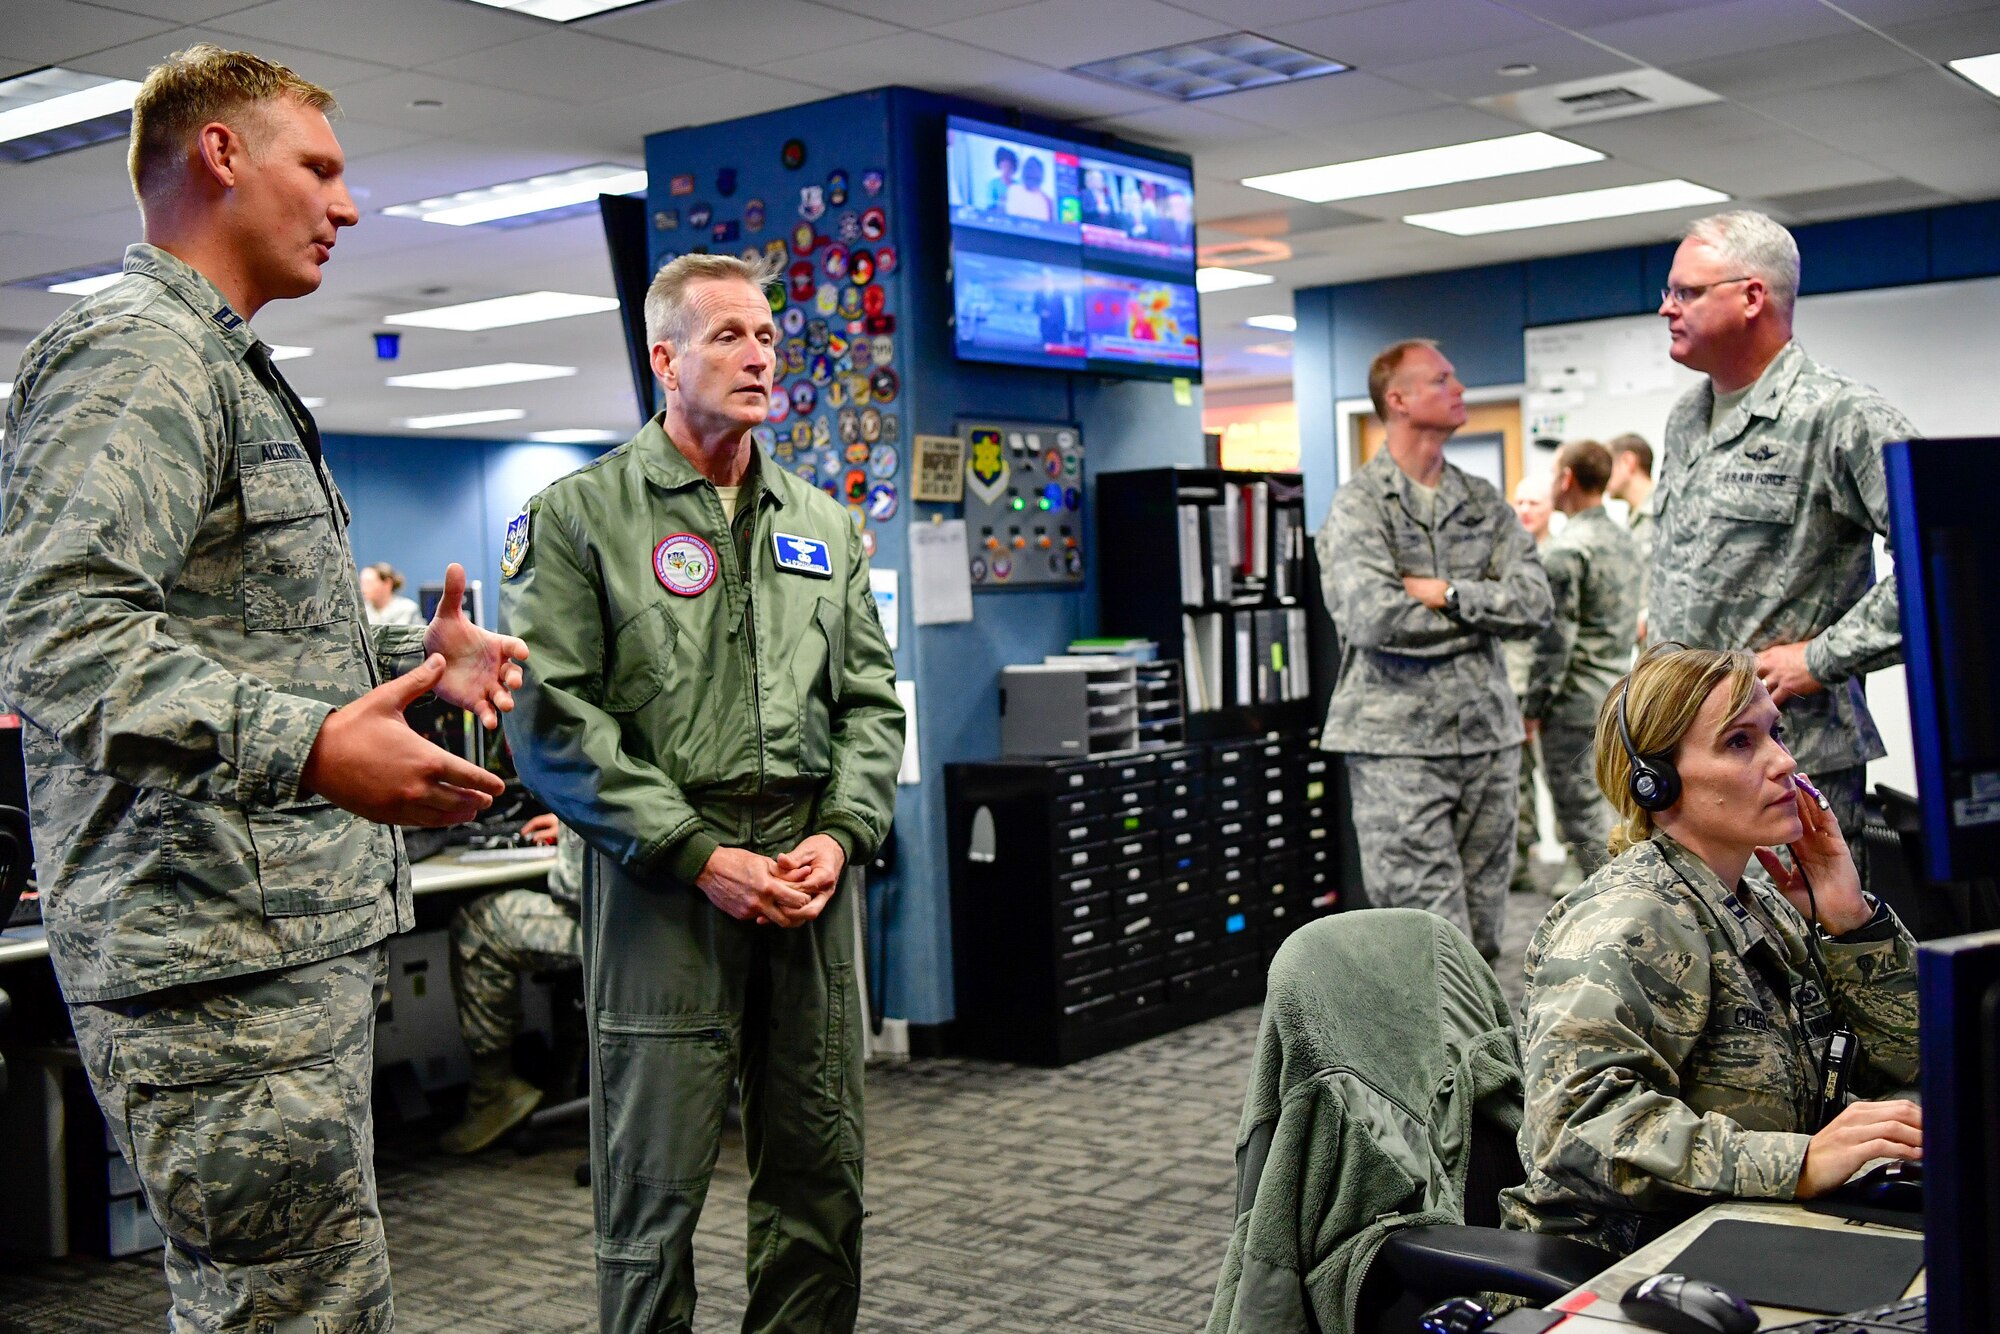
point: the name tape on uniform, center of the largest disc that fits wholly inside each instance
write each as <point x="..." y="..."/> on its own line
<point x="802" y="555"/>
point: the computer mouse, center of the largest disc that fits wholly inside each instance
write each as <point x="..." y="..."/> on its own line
<point x="1677" y="1304"/>
<point x="1893" y="1185"/>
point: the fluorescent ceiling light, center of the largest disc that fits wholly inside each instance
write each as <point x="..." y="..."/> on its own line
<point x="462" y="419"/>
<point x="560" y="11"/>
<point x="479" y="377"/>
<point x="1275" y="323"/>
<point x="536" y="194"/>
<point x="1222" y="280"/>
<point x="1554" y="210"/>
<point x="574" y="436"/>
<point x="6" y="388"/>
<point x="52" y="110"/>
<point x="1427" y="167"/>
<point x="313" y="402"/>
<point x="1982" y="70"/>
<point x="281" y="352"/>
<point x="1269" y="349"/>
<point x="1212" y="66"/>
<point x="85" y="286"/>
<point x="527" y="308"/>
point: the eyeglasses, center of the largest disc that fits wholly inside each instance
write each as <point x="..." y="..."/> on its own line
<point x="1687" y="296"/>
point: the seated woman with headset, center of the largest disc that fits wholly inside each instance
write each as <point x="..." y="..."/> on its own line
<point x="1691" y="1035"/>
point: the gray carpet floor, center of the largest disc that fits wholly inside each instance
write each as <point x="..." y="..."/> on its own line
<point x="1003" y="1200"/>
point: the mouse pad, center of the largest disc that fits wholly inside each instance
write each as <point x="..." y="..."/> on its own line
<point x="1867" y="1213"/>
<point x="1804" y="1268"/>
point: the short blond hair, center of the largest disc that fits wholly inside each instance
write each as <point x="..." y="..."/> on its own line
<point x="191" y="88"/>
<point x="667" y="309"/>
<point x="1383" y="369"/>
<point x="1667" y="687"/>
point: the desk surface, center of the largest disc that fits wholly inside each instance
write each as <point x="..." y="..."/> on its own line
<point x="441" y="874"/>
<point x="1595" y="1304"/>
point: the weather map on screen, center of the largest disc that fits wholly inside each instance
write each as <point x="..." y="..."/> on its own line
<point x="1070" y="257"/>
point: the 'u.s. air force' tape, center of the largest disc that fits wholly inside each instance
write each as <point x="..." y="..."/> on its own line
<point x="802" y="555"/>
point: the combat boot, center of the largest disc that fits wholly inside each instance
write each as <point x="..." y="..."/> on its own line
<point x="498" y="1101"/>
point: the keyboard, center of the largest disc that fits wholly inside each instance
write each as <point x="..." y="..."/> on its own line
<point x="1905" y="1316"/>
<point x="28" y="912"/>
<point x="535" y="854"/>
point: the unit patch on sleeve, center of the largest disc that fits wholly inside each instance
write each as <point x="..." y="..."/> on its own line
<point x="514" y="549"/>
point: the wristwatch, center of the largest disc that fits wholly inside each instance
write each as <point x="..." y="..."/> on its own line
<point x="1451" y="600"/>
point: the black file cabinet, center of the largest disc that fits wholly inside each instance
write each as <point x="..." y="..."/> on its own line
<point x="1098" y="903"/>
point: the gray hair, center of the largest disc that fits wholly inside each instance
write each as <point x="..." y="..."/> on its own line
<point x="1756" y="245"/>
<point x="668" y="313"/>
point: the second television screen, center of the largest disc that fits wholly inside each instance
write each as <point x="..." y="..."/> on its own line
<point x="1070" y="257"/>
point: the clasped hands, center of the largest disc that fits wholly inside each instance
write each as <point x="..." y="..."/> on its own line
<point x="787" y="891"/>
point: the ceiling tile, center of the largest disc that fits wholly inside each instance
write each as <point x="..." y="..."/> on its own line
<point x="446" y="166"/>
<point x="921" y="13"/>
<point x="1953" y="38"/>
<point x="390" y="32"/>
<point x="1841" y="58"/>
<point x="732" y="33"/>
<point x="386" y="99"/>
<point x="1066" y="96"/>
<point x="1372" y="138"/>
<point x="134" y="59"/>
<point x="919" y="59"/>
<point x="617" y="69"/>
<point x="1674" y="38"/>
<point x="1320" y="106"/>
<point x="1409" y="31"/>
<point x="1894" y="195"/>
<point x="1885" y="115"/>
<point x="1557" y="58"/>
<point x="1968" y="169"/>
<point x="620" y="126"/>
<point x="1780" y="164"/>
<point x="1066" y="33"/>
<point x="56" y="32"/>
<point x="177" y="11"/>
<point x="1186" y="127"/>
<point x="1261" y="15"/>
<point x="1882" y="13"/>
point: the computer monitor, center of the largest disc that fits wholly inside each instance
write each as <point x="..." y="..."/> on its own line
<point x="429" y="595"/>
<point x="1947" y="549"/>
<point x="1958" y="983"/>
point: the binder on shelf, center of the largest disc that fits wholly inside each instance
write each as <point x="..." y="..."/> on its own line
<point x="1194" y="578"/>
<point x="1243" y="635"/>
<point x="1220" y="551"/>
<point x="1298" y="685"/>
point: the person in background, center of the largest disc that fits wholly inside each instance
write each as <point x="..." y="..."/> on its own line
<point x="381" y="584"/>
<point x="1769" y="499"/>
<point x="1593" y="567"/>
<point x="1026" y="198"/>
<point x="494" y="939"/>
<point x="1632" y="482"/>
<point x="712" y="704"/>
<point x="217" y="757"/>
<point x="1677" y="1011"/>
<point x="1005" y="164"/>
<point x="1532" y="506"/>
<point x="1424" y="572"/>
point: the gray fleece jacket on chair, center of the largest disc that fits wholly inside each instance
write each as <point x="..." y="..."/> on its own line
<point x="1384" y="1034"/>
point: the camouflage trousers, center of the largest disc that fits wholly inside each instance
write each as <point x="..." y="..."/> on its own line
<point x="493" y="941"/>
<point x="682" y="999"/>
<point x="1525" y="832"/>
<point x="242" y="1107"/>
<point x="1569" y="766"/>
<point x="1437" y="832"/>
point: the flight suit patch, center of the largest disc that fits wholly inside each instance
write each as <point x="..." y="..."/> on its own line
<point x="685" y="564"/>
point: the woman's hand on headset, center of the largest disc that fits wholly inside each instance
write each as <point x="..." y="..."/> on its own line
<point x="1821" y="853"/>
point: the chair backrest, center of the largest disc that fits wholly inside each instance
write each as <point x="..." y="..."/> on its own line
<point x="16" y="859"/>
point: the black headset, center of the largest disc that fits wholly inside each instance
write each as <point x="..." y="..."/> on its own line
<point x="1654" y="783"/>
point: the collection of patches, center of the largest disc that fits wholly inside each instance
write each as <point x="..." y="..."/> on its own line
<point x="831" y="417"/>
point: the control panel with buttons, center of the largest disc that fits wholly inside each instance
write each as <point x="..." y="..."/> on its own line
<point x="1023" y="503"/>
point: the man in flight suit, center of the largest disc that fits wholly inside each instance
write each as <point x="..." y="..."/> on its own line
<point x="1425" y="570"/>
<point x="210" y="738"/>
<point x="712" y="706"/>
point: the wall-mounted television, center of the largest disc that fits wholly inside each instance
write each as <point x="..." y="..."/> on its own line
<point x="1070" y="256"/>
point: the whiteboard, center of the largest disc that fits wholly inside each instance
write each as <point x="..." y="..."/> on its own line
<point x="1930" y="350"/>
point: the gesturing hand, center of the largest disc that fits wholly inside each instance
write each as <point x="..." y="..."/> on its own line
<point x="366" y="759"/>
<point x="1821" y="851"/>
<point x="480" y="672"/>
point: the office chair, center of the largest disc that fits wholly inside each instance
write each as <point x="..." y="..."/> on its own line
<point x="1386" y="1031"/>
<point x="14" y="845"/>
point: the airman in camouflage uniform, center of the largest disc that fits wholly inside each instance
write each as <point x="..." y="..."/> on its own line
<point x="1422" y="709"/>
<point x="1671" y="1033"/>
<point x="1632" y="482"/>
<point x="181" y="635"/>
<point x="1767" y="507"/>
<point x="1593" y="574"/>
<point x="495" y="939"/>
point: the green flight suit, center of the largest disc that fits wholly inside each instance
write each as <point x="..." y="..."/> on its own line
<point x="693" y="684"/>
